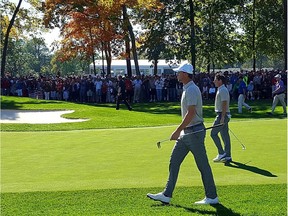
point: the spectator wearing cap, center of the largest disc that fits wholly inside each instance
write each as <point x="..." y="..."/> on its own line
<point x="278" y="95"/>
<point x="242" y="91"/>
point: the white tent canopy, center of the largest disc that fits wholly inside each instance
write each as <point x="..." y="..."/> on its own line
<point x="146" y="67"/>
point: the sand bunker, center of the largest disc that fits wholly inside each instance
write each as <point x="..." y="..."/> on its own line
<point x="36" y="117"/>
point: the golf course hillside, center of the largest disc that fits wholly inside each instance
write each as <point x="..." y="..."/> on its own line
<point x="107" y="164"/>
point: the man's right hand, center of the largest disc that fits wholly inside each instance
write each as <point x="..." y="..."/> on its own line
<point x="175" y="135"/>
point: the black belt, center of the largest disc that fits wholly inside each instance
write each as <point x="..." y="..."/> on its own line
<point x="193" y="126"/>
<point x="279" y="93"/>
<point x="218" y="113"/>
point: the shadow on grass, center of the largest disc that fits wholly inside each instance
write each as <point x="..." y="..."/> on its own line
<point x="254" y="169"/>
<point x="221" y="210"/>
<point x="154" y="108"/>
<point x="10" y="104"/>
<point x="173" y="108"/>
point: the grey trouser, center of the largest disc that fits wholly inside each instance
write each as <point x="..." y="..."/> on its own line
<point x="195" y="144"/>
<point x="241" y="102"/>
<point x="276" y="99"/>
<point x="224" y="131"/>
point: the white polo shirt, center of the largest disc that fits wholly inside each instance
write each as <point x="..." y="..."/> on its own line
<point x="222" y="95"/>
<point x="192" y="96"/>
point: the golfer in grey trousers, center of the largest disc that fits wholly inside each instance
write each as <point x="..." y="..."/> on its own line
<point x="222" y="110"/>
<point x="192" y="120"/>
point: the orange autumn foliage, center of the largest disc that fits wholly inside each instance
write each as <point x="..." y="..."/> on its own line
<point x="87" y="25"/>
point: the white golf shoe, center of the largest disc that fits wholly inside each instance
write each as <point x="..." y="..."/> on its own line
<point x="207" y="201"/>
<point x="159" y="197"/>
<point x="220" y="158"/>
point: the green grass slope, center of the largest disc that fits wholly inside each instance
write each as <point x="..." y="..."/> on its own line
<point x="108" y="171"/>
<point x="105" y="116"/>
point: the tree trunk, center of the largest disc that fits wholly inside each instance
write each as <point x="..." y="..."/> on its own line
<point x="94" y="66"/>
<point x="211" y="42"/>
<point x="5" y="47"/>
<point x="253" y="37"/>
<point x="192" y="39"/>
<point x="128" y="56"/>
<point x="102" y="53"/>
<point x="127" y="41"/>
<point x="108" y="57"/>
<point x="208" y="66"/>
<point x="93" y="54"/>
<point x="285" y="34"/>
<point x="155" y="66"/>
<point x="132" y="37"/>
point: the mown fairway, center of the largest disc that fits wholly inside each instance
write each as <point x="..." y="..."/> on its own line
<point x="109" y="171"/>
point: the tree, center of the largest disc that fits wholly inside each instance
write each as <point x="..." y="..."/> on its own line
<point x="14" y="30"/>
<point x="217" y="35"/>
<point x="76" y="66"/>
<point x="160" y="36"/>
<point x="37" y="48"/>
<point x="85" y="33"/>
<point x="108" y="12"/>
<point x="192" y="37"/>
<point x="27" y="56"/>
<point x="185" y="31"/>
<point x="127" y="41"/>
<point x="264" y="25"/>
<point x="285" y="34"/>
<point x="4" y="53"/>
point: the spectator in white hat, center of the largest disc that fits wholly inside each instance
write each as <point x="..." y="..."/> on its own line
<point x="278" y="95"/>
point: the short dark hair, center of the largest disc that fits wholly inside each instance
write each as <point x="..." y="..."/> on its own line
<point x="191" y="76"/>
<point x="220" y="76"/>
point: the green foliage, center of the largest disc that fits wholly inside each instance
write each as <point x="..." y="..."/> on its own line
<point x="216" y="34"/>
<point x="74" y="66"/>
<point x="268" y="25"/>
<point x="223" y="33"/>
<point x="28" y="56"/>
<point x="160" y="41"/>
<point x="26" y="50"/>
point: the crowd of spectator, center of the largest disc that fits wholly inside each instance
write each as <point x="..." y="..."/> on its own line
<point x="144" y="88"/>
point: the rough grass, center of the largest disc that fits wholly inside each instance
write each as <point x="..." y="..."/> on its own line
<point x="253" y="200"/>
